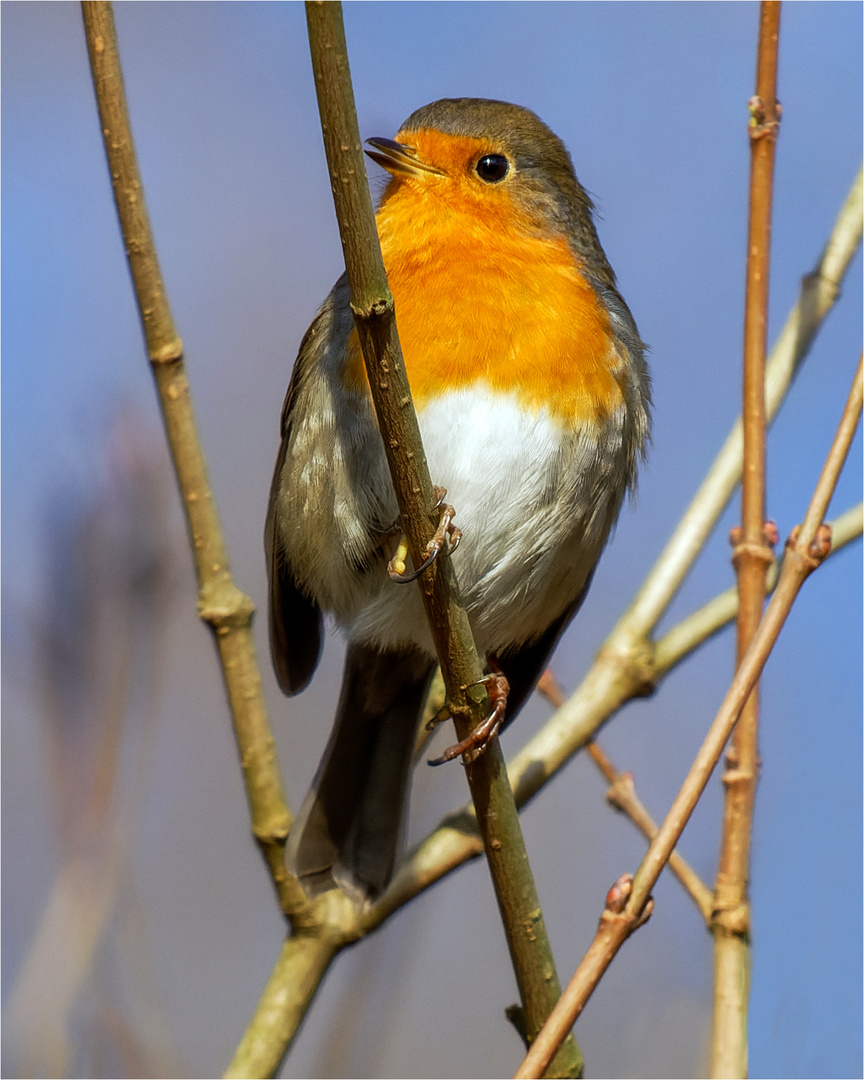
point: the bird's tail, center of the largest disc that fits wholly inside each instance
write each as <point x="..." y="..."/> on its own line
<point x="348" y="832"/>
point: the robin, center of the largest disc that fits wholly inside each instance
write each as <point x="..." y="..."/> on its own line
<point x="533" y="397"/>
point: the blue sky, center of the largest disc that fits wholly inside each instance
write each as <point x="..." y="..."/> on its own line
<point x="651" y="99"/>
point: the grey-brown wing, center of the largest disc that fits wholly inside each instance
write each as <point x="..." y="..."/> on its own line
<point x="294" y="619"/>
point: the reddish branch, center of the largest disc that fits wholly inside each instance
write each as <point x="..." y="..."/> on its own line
<point x="752" y="557"/>
<point x="806" y="549"/>
<point x="622" y="795"/>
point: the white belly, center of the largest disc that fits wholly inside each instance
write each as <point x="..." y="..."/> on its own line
<point x="535" y="503"/>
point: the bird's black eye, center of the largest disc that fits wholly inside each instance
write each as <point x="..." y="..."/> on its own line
<point x="492" y="168"/>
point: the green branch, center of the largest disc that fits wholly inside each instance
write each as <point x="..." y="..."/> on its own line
<point x="372" y="305"/>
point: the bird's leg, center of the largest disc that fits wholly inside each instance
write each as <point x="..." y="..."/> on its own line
<point x="446" y="532"/>
<point x="474" y="744"/>
<point x="440" y="717"/>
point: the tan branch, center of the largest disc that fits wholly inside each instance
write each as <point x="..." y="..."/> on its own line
<point x="622" y="795"/>
<point x="221" y="604"/>
<point x="456" y="839"/>
<point x="298" y="972"/>
<point x="819" y="292"/>
<point x="617" y="675"/>
<point x="626" y="663"/>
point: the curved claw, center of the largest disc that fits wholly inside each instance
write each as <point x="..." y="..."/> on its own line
<point x="476" y="743"/>
<point x="403" y="578"/>
<point x="446" y="533"/>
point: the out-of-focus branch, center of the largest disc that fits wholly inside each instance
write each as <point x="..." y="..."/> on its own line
<point x="819" y="292"/>
<point x="615" y="678"/>
<point x="221" y="604"/>
<point x="806" y="549"/>
<point x="730" y="924"/>
<point x="295" y="978"/>
<point x="622" y="795"/>
<point x="626" y="663"/>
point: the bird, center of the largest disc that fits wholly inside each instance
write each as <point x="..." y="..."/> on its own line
<point x="533" y="399"/>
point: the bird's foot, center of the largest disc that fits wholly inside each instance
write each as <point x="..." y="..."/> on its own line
<point x="446" y="533"/>
<point x="473" y="745"/>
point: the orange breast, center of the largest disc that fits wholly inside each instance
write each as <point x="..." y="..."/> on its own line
<point x="477" y="299"/>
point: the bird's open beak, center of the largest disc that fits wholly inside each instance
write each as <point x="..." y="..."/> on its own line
<point x="399" y="158"/>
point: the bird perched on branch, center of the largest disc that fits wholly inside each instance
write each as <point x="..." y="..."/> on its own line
<point x="532" y="394"/>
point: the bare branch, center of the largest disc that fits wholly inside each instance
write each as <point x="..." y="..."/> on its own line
<point x="372" y="305"/>
<point x="806" y="549"/>
<point x="819" y="291"/>
<point x="696" y="629"/>
<point x="622" y="795"/>
<point x="730" y="923"/>
<point x="456" y="838"/>
<point x="303" y="962"/>
<point x="221" y="604"/>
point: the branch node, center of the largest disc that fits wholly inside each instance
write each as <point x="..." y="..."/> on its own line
<point x="381" y="308"/>
<point x="764" y="120"/>
<point x="636" y="661"/>
<point x="225" y="607"/>
<point x="736" y="777"/>
<point x="644" y="915"/>
<point x="516" y="1016"/>
<point x="733" y="921"/>
<point x="621" y="792"/>
<point x="762" y="551"/>
<point x="615" y="910"/>
<point x="169" y="353"/>
<point x="277" y="835"/>
<point x="817" y="281"/>
<point x="815" y="553"/>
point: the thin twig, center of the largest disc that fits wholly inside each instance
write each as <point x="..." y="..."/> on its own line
<point x="694" y="630"/>
<point x="819" y="292"/>
<point x="372" y="305"/>
<point x="221" y="604"/>
<point x="458" y="840"/>
<point x="806" y="549"/>
<point x="730" y="924"/>
<point x="626" y="663"/>
<point x="622" y="795"/>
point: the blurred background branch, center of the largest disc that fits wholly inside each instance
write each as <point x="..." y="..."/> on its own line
<point x="94" y="652"/>
<point x="617" y="676"/>
<point x="221" y="604"/>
